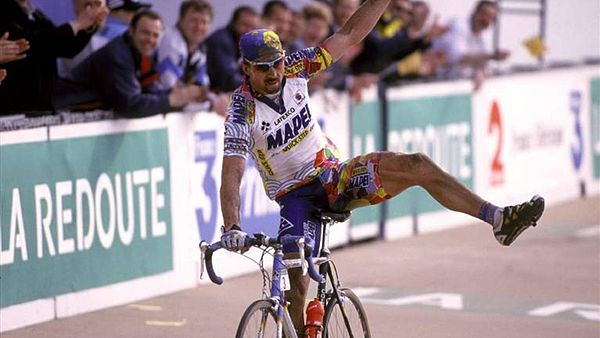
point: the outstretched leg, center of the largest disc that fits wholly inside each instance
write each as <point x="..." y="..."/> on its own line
<point x="399" y="171"/>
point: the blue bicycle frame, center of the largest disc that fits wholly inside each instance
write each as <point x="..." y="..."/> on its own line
<point x="279" y="276"/>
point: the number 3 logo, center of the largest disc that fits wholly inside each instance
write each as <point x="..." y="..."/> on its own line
<point x="206" y="191"/>
<point x="577" y="149"/>
<point x="495" y="126"/>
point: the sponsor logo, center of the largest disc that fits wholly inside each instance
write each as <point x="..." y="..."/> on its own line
<point x="284" y="225"/>
<point x="284" y="116"/>
<point x="542" y="136"/>
<point x="289" y="130"/>
<point x="448" y="145"/>
<point x="577" y="148"/>
<point x="298" y="97"/>
<point x="310" y="229"/>
<point x="359" y="181"/>
<point x="496" y="129"/>
<point x="242" y="109"/>
<point x="204" y="196"/>
<point x="297" y="140"/>
<point x="111" y="210"/>
<point x="265" y="127"/>
<point x="359" y="171"/>
<point x="294" y="68"/>
<point x="263" y="161"/>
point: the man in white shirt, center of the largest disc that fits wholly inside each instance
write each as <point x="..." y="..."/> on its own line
<point x="465" y="47"/>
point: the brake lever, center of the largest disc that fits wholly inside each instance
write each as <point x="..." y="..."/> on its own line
<point x="203" y="245"/>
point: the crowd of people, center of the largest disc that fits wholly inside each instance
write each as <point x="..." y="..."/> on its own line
<point x="117" y="54"/>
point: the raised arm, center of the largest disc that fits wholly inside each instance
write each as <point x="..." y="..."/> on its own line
<point x="231" y="179"/>
<point x="356" y="28"/>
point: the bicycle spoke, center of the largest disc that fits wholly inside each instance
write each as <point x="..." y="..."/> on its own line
<point x="346" y="319"/>
<point x="258" y="322"/>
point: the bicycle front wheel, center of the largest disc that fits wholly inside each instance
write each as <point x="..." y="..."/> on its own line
<point x="346" y="318"/>
<point x="258" y="320"/>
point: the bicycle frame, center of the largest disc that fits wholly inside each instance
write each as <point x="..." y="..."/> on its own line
<point x="277" y="296"/>
<point x="280" y="280"/>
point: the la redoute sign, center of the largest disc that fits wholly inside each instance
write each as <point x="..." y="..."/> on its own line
<point x="99" y="215"/>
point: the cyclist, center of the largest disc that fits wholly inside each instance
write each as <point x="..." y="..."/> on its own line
<point x="270" y="118"/>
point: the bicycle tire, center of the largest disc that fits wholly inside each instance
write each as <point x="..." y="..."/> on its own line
<point x="258" y="316"/>
<point x="334" y="325"/>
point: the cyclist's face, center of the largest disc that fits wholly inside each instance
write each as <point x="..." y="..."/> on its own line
<point x="265" y="78"/>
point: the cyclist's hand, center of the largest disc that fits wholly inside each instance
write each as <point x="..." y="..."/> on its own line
<point x="233" y="240"/>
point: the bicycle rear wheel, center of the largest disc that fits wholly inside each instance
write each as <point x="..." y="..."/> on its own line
<point x="258" y="321"/>
<point x="353" y="324"/>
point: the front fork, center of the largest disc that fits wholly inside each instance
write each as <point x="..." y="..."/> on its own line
<point x="283" y="320"/>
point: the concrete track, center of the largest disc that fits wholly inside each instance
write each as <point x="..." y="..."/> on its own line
<point x="455" y="283"/>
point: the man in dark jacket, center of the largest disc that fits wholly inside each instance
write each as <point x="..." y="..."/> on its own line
<point x="122" y="74"/>
<point x="29" y="82"/>
<point x="222" y="47"/>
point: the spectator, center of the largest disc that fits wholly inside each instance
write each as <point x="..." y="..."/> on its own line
<point x="465" y="47"/>
<point x="397" y="16"/>
<point x="416" y="23"/>
<point x="379" y="52"/>
<point x="342" y="10"/>
<point x="338" y="76"/>
<point x="122" y="73"/>
<point x="182" y="56"/>
<point x="11" y="51"/>
<point x="277" y="16"/>
<point x="297" y="28"/>
<point x="30" y="81"/>
<point x="121" y="12"/>
<point x="317" y="20"/>
<point x="422" y="62"/>
<point x="364" y="54"/>
<point x="223" y="55"/>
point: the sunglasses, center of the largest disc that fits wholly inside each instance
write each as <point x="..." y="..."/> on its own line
<point x="266" y="66"/>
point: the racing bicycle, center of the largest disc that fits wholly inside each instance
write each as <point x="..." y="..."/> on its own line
<point x="269" y="317"/>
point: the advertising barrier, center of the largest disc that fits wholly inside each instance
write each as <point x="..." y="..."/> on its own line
<point x="435" y="120"/>
<point x="99" y="214"/>
<point x="367" y="136"/>
<point x="537" y="140"/>
<point x="594" y="131"/>
<point x="90" y="209"/>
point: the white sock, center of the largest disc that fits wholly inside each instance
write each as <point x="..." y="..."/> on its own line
<point x="498" y="216"/>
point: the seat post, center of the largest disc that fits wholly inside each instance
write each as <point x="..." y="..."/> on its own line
<point x="325" y="252"/>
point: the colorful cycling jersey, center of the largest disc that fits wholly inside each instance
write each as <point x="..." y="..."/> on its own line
<point x="284" y="138"/>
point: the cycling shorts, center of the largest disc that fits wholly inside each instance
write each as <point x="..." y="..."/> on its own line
<point x="342" y="186"/>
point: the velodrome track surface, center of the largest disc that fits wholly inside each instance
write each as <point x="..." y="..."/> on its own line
<point x="454" y="283"/>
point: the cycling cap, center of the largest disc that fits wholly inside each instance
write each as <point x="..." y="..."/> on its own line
<point x="261" y="45"/>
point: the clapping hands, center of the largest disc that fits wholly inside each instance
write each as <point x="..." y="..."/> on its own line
<point x="12" y="50"/>
<point x="92" y="16"/>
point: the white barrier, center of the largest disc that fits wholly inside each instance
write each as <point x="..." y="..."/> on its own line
<point x="519" y="135"/>
<point x="532" y="135"/>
